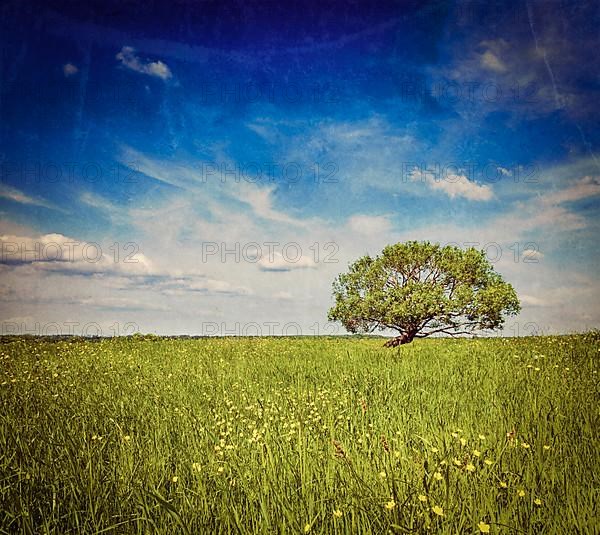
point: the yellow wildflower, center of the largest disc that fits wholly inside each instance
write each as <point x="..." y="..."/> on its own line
<point x="337" y="513"/>
<point x="470" y="468"/>
<point x="503" y="484"/>
<point x="537" y="501"/>
<point x="306" y="528"/>
<point x="477" y="453"/>
<point x="481" y="437"/>
<point x="463" y="442"/>
<point x="438" y="510"/>
<point x="438" y="476"/>
<point x="521" y="493"/>
<point x="422" y="498"/>
<point x="483" y="527"/>
<point x="390" y="505"/>
<point x="175" y="479"/>
<point x="488" y="462"/>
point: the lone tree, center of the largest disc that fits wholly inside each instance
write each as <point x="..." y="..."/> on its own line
<point x="419" y="289"/>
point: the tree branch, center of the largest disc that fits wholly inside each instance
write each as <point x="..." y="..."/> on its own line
<point x="451" y="333"/>
<point x="446" y="330"/>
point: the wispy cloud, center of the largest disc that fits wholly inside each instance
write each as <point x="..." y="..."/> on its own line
<point x="369" y="225"/>
<point x="15" y="195"/>
<point x="130" y="60"/>
<point x="454" y="185"/>
<point x="191" y="177"/>
<point x="260" y="199"/>
<point x="582" y="188"/>
<point x="70" y="70"/>
<point x="115" y="213"/>
<point x="292" y="262"/>
<point x="492" y="62"/>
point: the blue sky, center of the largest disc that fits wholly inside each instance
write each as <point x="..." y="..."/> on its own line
<point x="141" y="142"/>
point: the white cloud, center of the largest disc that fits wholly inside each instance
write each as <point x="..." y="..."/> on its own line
<point x="536" y="214"/>
<point x="120" y="303"/>
<point x="128" y="59"/>
<point x="455" y="186"/>
<point x="16" y="195"/>
<point x="96" y="201"/>
<point x="189" y="284"/>
<point x="583" y="188"/>
<point x="159" y="69"/>
<point x="260" y="199"/>
<point x="59" y="253"/>
<point x="70" y="70"/>
<point x="116" y="214"/>
<point x="492" y="62"/>
<point x="213" y="189"/>
<point x="56" y="254"/>
<point x="532" y="255"/>
<point x="369" y="225"/>
<point x="290" y="260"/>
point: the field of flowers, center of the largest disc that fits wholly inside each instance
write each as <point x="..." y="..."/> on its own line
<point x="300" y="435"/>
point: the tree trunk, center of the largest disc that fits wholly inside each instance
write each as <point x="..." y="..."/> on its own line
<point x="404" y="338"/>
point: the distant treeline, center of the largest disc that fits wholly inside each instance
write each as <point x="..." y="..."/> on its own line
<point x="9" y="338"/>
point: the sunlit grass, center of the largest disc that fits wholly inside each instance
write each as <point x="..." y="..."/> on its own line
<point x="299" y="436"/>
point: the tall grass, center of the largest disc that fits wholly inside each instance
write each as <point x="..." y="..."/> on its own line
<point x="297" y="435"/>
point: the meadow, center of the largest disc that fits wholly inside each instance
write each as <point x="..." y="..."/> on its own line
<point x="300" y="435"/>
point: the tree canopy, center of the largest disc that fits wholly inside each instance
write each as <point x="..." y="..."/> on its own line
<point x="420" y="289"/>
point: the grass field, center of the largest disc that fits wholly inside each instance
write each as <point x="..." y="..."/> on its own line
<point x="300" y="435"/>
